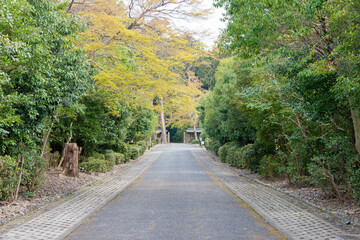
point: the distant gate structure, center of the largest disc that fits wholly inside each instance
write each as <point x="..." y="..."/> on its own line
<point x="157" y="135"/>
<point x="189" y="134"/>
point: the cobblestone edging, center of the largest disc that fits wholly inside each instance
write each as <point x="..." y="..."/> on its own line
<point x="284" y="213"/>
<point x="58" y="222"/>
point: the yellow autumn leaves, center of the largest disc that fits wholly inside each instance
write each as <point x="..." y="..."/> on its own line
<point x="140" y="57"/>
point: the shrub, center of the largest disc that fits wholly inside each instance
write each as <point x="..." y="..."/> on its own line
<point x="98" y="155"/>
<point x="32" y="170"/>
<point x="142" y="144"/>
<point x="119" y="158"/>
<point x="142" y="150"/>
<point x="195" y="141"/>
<point x="124" y="149"/>
<point x="226" y="150"/>
<point x="110" y="159"/>
<point x="135" y="151"/>
<point x="157" y="141"/>
<point x="212" y="145"/>
<point x="271" y="166"/>
<point x="8" y="177"/>
<point x="235" y="156"/>
<point x="222" y="152"/>
<point x="93" y="165"/>
<point x="253" y="154"/>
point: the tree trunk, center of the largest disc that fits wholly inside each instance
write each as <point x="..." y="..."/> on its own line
<point x="71" y="160"/>
<point x="356" y="123"/>
<point x="163" y="128"/>
<point x="63" y="153"/>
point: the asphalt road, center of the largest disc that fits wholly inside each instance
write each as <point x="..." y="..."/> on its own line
<point x="176" y="199"/>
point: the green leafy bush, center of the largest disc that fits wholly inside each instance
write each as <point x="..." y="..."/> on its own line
<point x="124" y="149"/>
<point x="235" y="156"/>
<point x="135" y="151"/>
<point x="94" y="165"/>
<point x="32" y="170"/>
<point x="195" y="141"/>
<point x="110" y="159"/>
<point x="119" y="158"/>
<point x="271" y="166"/>
<point x="8" y="177"/>
<point x="212" y="145"/>
<point x="142" y="145"/>
<point x="222" y="152"/>
<point x="98" y="155"/>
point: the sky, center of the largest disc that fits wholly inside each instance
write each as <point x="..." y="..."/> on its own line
<point x="211" y="25"/>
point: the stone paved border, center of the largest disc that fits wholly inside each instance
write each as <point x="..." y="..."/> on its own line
<point x="58" y="222"/>
<point x="294" y="221"/>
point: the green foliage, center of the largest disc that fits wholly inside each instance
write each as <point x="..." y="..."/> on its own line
<point x="271" y="166"/>
<point x="93" y="164"/>
<point x="110" y="159"/>
<point x="8" y="177"/>
<point x="98" y="155"/>
<point x="124" y="149"/>
<point x="235" y="156"/>
<point x="205" y="70"/>
<point x="195" y="141"/>
<point x="290" y="94"/>
<point x="40" y="67"/>
<point x="135" y="151"/>
<point x="143" y="125"/>
<point x="119" y="158"/>
<point x="32" y="170"/>
<point x="223" y="151"/>
<point x="212" y="144"/>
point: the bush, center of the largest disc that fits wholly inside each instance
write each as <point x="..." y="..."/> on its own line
<point x="124" y="149"/>
<point x="32" y="171"/>
<point x="253" y="154"/>
<point x="157" y="141"/>
<point x="195" y="141"/>
<point x="119" y="158"/>
<point x="142" y="146"/>
<point x="110" y="159"/>
<point x="135" y="151"/>
<point x="94" y="165"/>
<point x="271" y="166"/>
<point x="222" y="152"/>
<point x="235" y="156"/>
<point x="8" y="177"/>
<point x="98" y="155"/>
<point x="212" y="145"/>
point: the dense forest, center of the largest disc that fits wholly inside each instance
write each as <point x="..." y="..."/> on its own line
<point x="286" y="100"/>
